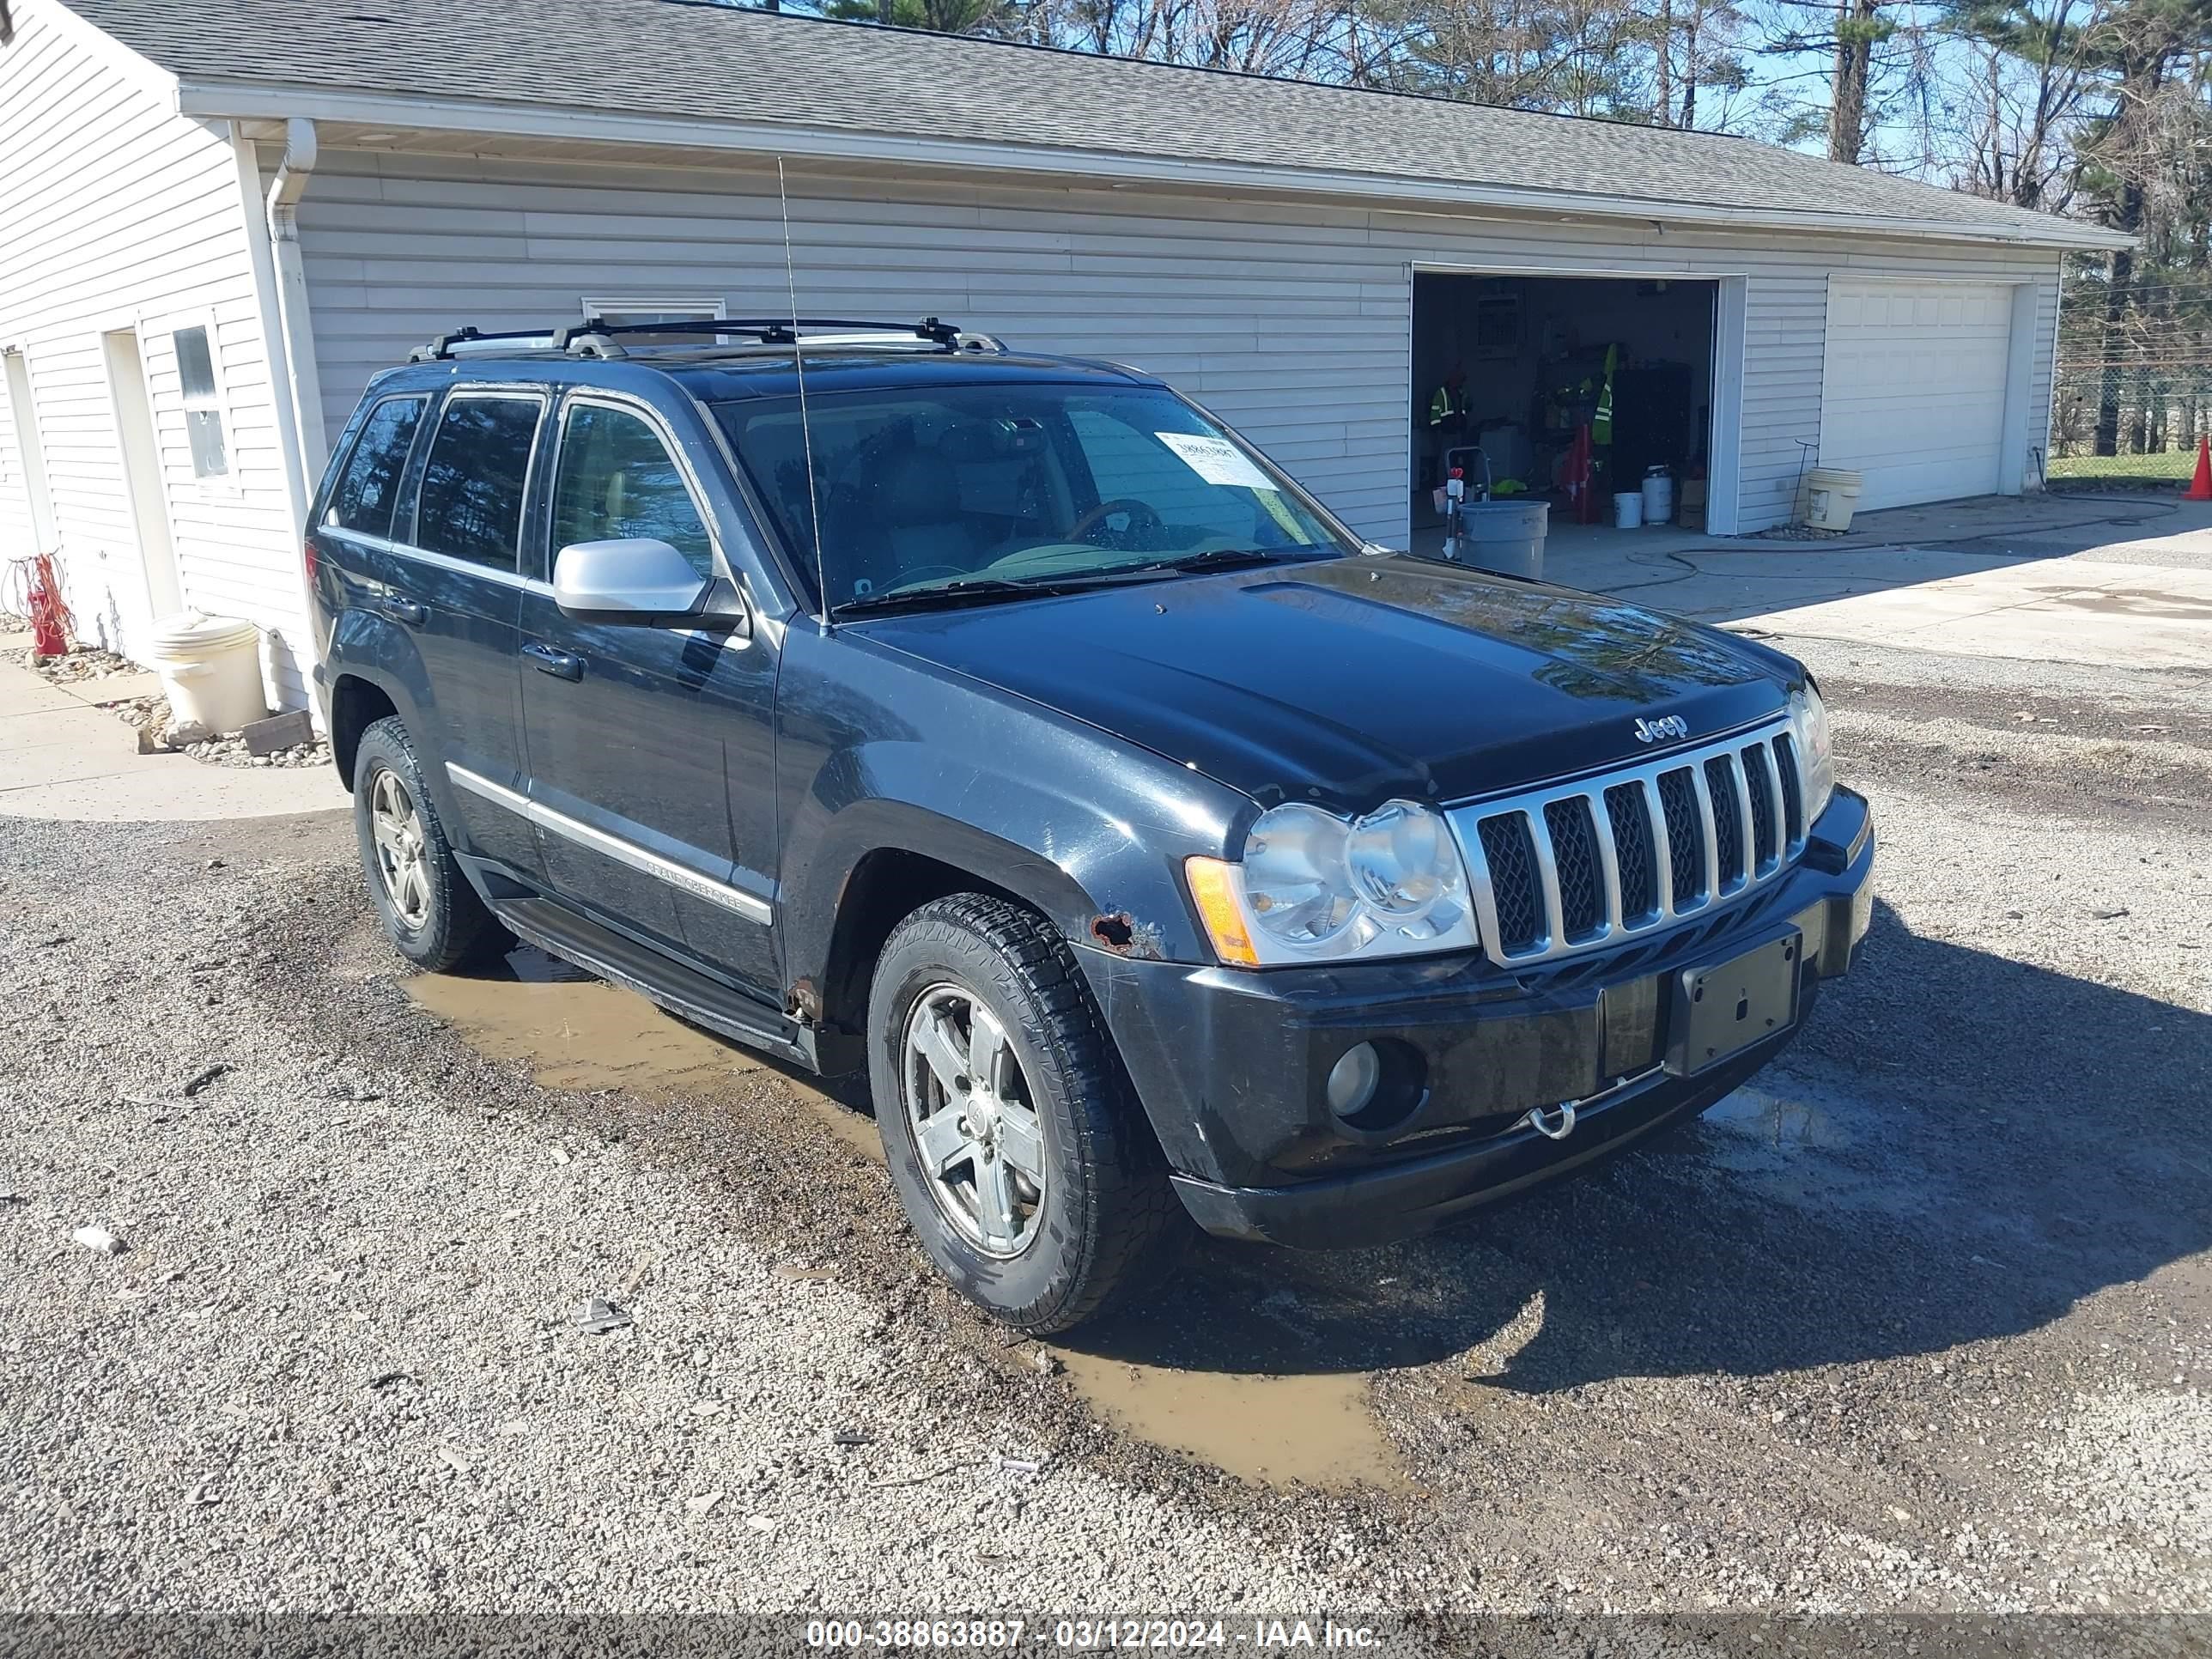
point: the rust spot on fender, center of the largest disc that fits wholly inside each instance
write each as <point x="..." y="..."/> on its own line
<point x="805" y="1000"/>
<point x="1125" y="936"/>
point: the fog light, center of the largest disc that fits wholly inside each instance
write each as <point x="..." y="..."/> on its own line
<point x="1354" y="1080"/>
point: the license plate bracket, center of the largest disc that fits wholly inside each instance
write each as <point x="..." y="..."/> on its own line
<point x="1722" y="1008"/>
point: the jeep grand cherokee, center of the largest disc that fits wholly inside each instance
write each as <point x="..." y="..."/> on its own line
<point x="1008" y="726"/>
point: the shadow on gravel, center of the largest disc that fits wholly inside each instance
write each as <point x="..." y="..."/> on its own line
<point x="1960" y="1148"/>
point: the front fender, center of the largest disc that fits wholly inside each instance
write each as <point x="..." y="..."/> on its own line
<point x="1045" y="843"/>
<point x="875" y="753"/>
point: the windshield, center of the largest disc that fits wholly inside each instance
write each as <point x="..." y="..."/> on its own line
<point x="972" y="488"/>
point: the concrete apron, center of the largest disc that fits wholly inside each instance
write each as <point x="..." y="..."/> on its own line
<point x="62" y="756"/>
<point x="2100" y="592"/>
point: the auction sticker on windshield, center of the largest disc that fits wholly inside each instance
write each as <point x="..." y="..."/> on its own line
<point x="1216" y="460"/>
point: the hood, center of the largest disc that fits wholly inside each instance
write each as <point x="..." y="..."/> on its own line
<point x="1354" y="681"/>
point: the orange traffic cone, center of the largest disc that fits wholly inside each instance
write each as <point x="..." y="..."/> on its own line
<point x="2200" y="487"/>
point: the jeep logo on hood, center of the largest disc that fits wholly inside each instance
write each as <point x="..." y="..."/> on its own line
<point x="1666" y="726"/>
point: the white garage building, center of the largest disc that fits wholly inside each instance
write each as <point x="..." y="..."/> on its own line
<point x="218" y="217"/>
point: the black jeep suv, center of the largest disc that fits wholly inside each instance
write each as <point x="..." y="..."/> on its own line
<point x="1009" y="727"/>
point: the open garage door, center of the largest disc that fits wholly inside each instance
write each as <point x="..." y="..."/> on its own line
<point x="1525" y="382"/>
<point x="1912" y="392"/>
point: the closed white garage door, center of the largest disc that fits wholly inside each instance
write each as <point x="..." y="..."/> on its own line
<point x="1914" y="388"/>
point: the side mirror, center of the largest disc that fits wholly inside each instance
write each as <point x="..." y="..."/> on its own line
<point x="641" y="580"/>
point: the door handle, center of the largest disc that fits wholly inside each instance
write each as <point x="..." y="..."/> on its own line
<point x="566" y="664"/>
<point x="405" y="611"/>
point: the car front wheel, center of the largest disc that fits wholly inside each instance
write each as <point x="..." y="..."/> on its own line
<point x="1019" y="1151"/>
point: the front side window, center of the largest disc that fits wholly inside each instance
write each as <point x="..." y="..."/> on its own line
<point x="928" y="487"/>
<point x="616" y="480"/>
<point x="195" y="377"/>
<point x="370" y="486"/>
<point x="470" y="506"/>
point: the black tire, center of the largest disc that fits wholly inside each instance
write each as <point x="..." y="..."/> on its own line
<point x="1108" y="1211"/>
<point x="450" y="927"/>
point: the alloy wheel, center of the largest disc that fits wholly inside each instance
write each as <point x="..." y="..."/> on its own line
<point x="968" y="1104"/>
<point x="401" y="861"/>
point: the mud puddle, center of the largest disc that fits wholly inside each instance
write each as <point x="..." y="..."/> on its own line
<point x="576" y="1032"/>
<point x="1258" y="1362"/>
<point x="1316" y="1430"/>
<point x="1230" y="1385"/>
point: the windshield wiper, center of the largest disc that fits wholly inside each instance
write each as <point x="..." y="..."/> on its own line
<point x="1230" y="558"/>
<point x="972" y="589"/>
<point x="982" y="590"/>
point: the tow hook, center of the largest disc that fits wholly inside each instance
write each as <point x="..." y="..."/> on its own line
<point x="1553" y="1123"/>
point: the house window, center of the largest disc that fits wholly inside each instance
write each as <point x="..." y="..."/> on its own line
<point x="203" y="401"/>
<point x="623" y="314"/>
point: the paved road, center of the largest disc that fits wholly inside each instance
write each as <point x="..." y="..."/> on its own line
<point x="1918" y="1323"/>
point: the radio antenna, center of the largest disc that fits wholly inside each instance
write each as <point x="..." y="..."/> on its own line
<point x="805" y="425"/>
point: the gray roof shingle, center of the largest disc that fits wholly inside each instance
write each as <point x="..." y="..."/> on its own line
<point x="667" y="58"/>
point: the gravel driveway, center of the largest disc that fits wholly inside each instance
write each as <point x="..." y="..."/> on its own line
<point x="1917" y="1324"/>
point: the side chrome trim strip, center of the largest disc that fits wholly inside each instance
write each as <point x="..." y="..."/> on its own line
<point x="423" y="556"/>
<point x="750" y="906"/>
<point x="499" y="793"/>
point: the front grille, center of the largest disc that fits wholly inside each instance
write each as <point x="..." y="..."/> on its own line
<point x="1793" y="793"/>
<point x="1631" y="820"/>
<point x="1574" y="850"/>
<point x="1572" y="867"/>
<point x="1728" y="820"/>
<point x="1759" y="786"/>
<point x="1507" y="849"/>
<point x="1686" y="837"/>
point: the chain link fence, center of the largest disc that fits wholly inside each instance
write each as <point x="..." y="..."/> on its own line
<point x="2137" y="389"/>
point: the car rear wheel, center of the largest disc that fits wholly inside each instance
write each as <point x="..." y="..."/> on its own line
<point x="432" y="915"/>
<point x="1020" y="1152"/>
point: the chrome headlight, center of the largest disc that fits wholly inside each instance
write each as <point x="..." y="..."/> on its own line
<point x="1312" y="887"/>
<point x="1816" y="765"/>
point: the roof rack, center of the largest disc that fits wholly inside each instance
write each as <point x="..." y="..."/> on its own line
<point x="466" y="339"/>
<point x="596" y="337"/>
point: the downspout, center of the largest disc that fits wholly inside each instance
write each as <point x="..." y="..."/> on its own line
<point x="293" y="173"/>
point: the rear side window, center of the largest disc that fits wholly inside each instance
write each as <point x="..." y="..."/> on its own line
<point x="469" y="505"/>
<point x="616" y="479"/>
<point x="370" y="486"/>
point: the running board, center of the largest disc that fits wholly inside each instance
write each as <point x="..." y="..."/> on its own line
<point x="558" y="930"/>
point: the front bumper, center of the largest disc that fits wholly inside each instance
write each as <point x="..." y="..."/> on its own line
<point x="1231" y="1066"/>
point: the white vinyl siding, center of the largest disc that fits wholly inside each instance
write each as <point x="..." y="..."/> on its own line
<point x="1289" y="317"/>
<point x="116" y="213"/>
<point x="1913" y="396"/>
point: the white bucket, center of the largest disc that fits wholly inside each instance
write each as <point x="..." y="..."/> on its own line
<point x="1658" y="496"/>
<point x="210" y="666"/>
<point x="1628" y="510"/>
<point x="1832" y="495"/>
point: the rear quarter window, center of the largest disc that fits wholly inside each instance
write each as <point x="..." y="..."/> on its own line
<point x="368" y="490"/>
